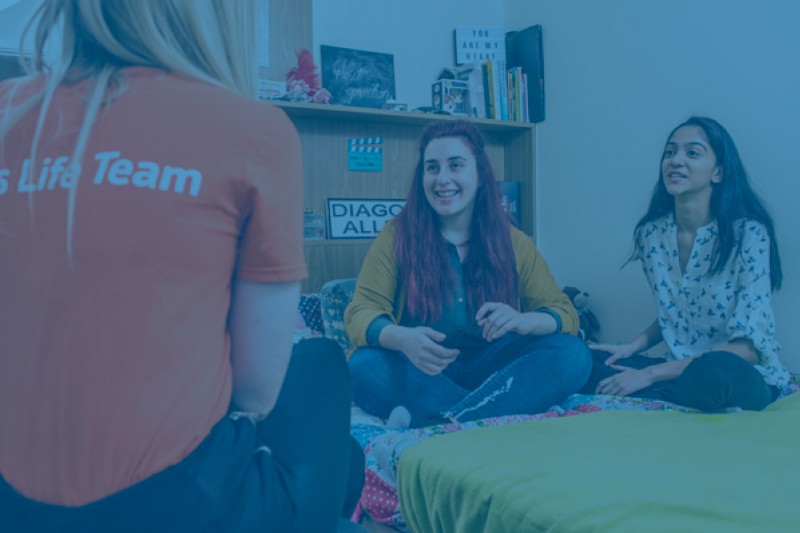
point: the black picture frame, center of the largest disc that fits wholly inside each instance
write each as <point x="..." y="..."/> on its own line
<point x="357" y="77"/>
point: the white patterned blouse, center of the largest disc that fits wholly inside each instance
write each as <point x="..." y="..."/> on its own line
<point x="697" y="312"/>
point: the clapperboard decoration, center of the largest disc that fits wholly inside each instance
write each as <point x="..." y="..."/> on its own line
<point x="365" y="154"/>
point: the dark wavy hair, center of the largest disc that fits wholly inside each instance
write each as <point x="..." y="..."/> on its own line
<point x="731" y="199"/>
<point x="426" y="274"/>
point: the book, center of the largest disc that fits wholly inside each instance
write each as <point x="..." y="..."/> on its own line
<point x="513" y="94"/>
<point x="526" y="116"/>
<point x="524" y="49"/>
<point x="472" y="73"/>
<point x="501" y="88"/>
<point x="516" y="81"/>
<point x="509" y="198"/>
<point x="488" y="87"/>
<point x="496" y="89"/>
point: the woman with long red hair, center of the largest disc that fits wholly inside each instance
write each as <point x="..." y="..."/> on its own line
<point x="456" y="315"/>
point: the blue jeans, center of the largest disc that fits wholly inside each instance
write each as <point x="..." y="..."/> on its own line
<point x="513" y="375"/>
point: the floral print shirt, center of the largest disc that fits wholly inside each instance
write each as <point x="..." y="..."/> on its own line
<point x="697" y="312"/>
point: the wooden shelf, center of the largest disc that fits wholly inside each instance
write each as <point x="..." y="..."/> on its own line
<point x="341" y="112"/>
<point x="324" y="131"/>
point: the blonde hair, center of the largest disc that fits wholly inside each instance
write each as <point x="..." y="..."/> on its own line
<point x="209" y="40"/>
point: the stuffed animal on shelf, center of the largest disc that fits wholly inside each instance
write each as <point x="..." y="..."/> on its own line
<point x="588" y="321"/>
<point x="304" y="82"/>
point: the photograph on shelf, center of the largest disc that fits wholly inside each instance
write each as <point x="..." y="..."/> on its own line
<point x="360" y="218"/>
<point x="271" y="89"/>
<point x="357" y="77"/>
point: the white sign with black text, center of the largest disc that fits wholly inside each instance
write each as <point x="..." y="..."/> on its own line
<point x="479" y="44"/>
<point x="360" y="218"/>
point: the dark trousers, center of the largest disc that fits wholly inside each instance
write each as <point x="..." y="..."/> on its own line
<point x="298" y="470"/>
<point x="712" y="382"/>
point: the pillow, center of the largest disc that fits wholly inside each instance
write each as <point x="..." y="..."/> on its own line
<point x="334" y="298"/>
<point x="308" y="321"/>
<point x="310" y="312"/>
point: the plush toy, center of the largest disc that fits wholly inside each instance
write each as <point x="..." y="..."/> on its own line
<point x="588" y="322"/>
<point x="304" y="83"/>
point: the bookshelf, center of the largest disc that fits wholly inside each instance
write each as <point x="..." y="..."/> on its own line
<point x="324" y="131"/>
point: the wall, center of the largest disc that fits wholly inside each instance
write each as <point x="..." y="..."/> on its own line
<point x="289" y="31"/>
<point x="12" y="22"/>
<point x="418" y="32"/>
<point x="619" y="74"/>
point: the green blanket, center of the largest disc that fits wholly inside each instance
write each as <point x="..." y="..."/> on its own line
<point x="612" y="471"/>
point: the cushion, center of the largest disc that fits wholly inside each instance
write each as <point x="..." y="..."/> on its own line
<point x="334" y="298"/>
<point x="310" y="311"/>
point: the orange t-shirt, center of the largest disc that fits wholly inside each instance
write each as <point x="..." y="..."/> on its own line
<point x="116" y="365"/>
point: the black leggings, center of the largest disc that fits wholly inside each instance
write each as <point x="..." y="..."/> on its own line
<point x="296" y="471"/>
<point x="712" y="382"/>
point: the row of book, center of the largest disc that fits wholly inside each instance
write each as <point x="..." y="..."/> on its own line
<point x="509" y="87"/>
<point x="496" y="91"/>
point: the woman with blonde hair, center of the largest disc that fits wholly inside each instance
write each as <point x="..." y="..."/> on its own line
<point x="149" y="250"/>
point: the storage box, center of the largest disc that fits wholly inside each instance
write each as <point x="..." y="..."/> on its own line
<point x="451" y="96"/>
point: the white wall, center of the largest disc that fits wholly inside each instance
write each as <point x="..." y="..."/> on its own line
<point x="418" y="32"/>
<point x="619" y="74"/>
<point x="12" y="21"/>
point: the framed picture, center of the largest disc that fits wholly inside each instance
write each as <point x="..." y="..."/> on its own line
<point x="360" y="218"/>
<point x="357" y="77"/>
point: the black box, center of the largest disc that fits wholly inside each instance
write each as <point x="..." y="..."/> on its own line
<point x="524" y="49"/>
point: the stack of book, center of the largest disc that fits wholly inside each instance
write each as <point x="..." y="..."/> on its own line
<point x="496" y="91"/>
<point x="511" y="89"/>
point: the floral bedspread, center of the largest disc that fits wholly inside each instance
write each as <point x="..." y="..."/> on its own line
<point x="383" y="447"/>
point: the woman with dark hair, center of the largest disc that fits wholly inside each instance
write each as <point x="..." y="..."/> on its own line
<point x="708" y="249"/>
<point x="456" y="315"/>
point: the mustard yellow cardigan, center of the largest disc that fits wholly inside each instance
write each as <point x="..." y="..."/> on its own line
<point x="378" y="290"/>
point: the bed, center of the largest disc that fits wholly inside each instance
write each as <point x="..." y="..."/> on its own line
<point x="592" y="463"/>
<point x="611" y="471"/>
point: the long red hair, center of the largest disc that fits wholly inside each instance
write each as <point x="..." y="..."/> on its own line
<point x="426" y="275"/>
